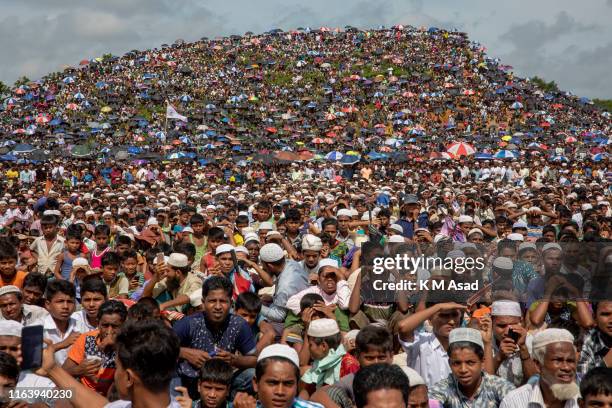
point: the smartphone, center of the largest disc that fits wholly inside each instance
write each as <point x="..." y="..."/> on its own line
<point x="515" y="336"/>
<point x="160" y="258"/>
<point x="31" y="347"/>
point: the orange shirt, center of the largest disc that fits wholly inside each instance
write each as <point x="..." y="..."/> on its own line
<point x="85" y="346"/>
<point x="16" y="280"/>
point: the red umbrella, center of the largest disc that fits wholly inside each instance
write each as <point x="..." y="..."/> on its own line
<point x="84" y="62"/>
<point x="461" y="149"/>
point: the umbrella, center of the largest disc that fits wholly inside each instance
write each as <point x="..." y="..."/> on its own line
<point x="460" y="149"/>
<point x="8" y="157"/>
<point x="483" y="156"/>
<point x="599" y="157"/>
<point x="43" y="118"/>
<point x="559" y="159"/>
<point x="350" y="159"/>
<point x="334" y="156"/>
<point x="185" y="98"/>
<point x="79" y="95"/>
<point x="106" y="109"/>
<point x="440" y="156"/>
<point x="80" y="151"/>
<point x="68" y="80"/>
<point x="570" y="139"/>
<point x="505" y="154"/>
<point x="516" y="105"/>
<point x="72" y="106"/>
<point x="288" y="156"/>
<point x="23" y="148"/>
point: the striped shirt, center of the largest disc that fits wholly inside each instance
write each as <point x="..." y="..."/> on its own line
<point x="530" y="396"/>
<point x="490" y="392"/>
<point x="298" y="403"/>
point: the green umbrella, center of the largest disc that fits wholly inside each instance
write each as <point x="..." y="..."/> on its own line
<point x="80" y="151"/>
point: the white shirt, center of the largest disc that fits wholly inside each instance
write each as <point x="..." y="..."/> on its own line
<point x="28" y="381"/>
<point x="530" y="396"/>
<point x="32" y="315"/>
<point x="128" y="404"/>
<point x="426" y="355"/>
<point x="52" y="333"/>
<point x="340" y="297"/>
<point x="81" y="322"/>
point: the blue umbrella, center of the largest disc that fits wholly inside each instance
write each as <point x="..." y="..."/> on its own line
<point x="134" y="150"/>
<point x="516" y="105"/>
<point x="23" y="148"/>
<point x="483" y="156"/>
<point x="559" y="159"/>
<point x="68" y="80"/>
<point x="599" y="157"/>
<point x="236" y="148"/>
<point x="505" y="154"/>
<point x="101" y="84"/>
<point x="185" y="98"/>
<point x="334" y="156"/>
<point x="350" y="159"/>
<point x="55" y="122"/>
<point x="79" y="95"/>
<point x="8" y="157"/>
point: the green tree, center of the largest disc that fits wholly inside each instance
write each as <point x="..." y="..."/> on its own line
<point x="22" y="81"/>
<point x="545" y="86"/>
<point x="4" y="89"/>
<point x="605" y="104"/>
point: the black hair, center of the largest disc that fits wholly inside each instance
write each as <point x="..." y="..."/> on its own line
<point x="7" y="250"/>
<point x="102" y="229"/>
<point x="248" y="301"/>
<point x="151" y="350"/>
<point x="48" y="220"/>
<point x="293" y="214"/>
<point x="143" y="309"/>
<point x="379" y="377"/>
<point x="329" y="221"/>
<point x="597" y="381"/>
<point x="549" y="228"/>
<point x="94" y="285"/>
<point x="130" y="253"/>
<point x="373" y="336"/>
<point x="262" y="364"/>
<point x="242" y="219"/>
<point x="110" y="258"/>
<point x="123" y="240"/>
<point x="384" y="212"/>
<point x="59" y="286"/>
<point x="332" y="341"/>
<point x="264" y="204"/>
<point x="216" y="233"/>
<point x="113" y="307"/>
<point x="35" y="279"/>
<point x="186" y="248"/>
<point x="506" y="243"/>
<point x="309" y="299"/>
<point x="216" y="283"/>
<point x="217" y="371"/>
<point x="72" y="234"/>
<point x="141" y="216"/>
<point x="466" y="345"/>
<point x="8" y="366"/>
<point x="196" y="219"/>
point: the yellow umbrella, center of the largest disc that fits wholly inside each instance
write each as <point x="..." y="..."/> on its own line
<point x="106" y="109"/>
<point x="506" y="138"/>
<point x="352" y="152"/>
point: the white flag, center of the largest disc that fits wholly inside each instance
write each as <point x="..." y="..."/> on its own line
<point x="171" y="113"/>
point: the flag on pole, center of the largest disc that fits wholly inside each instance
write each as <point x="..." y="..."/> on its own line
<point x="171" y="113"/>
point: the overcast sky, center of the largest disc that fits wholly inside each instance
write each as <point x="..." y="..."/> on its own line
<point x="567" y="41"/>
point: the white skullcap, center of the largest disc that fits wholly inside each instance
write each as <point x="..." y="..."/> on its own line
<point x="519" y="224"/>
<point x="10" y="328"/>
<point x="515" y="236"/>
<point x="465" y="334"/>
<point x="107" y="213"/>
<point x="396" y="239"/>
<point x="440" y="237"/>
<point x="280" y="350"/>
<point x="223" y="248"/>
<point x="327" y="262"/>
<point x="550" y="336"/>
<point x="551" y="245"/>
<point x="475" y="231"/>
<point x="152" y="221"/>
<point x="273" y="233"/>
<point x="89" y="213"/>
<point x="527" y="245"/>
<point x="251" y="236"/>
<point x="455" y="254"/>
<point x="195" y="298"/>
<point x="211" y="207"/>
<point x="311" y="243"/>
<point x="414" y="379"/>
<point x="503" y="262"/>
<point x="265" y="226"/>
<point x="397" y="228"/>
<point x="178" y="260"/>
<point x="465" y="218"/>
<point x="53" y="212"/>
<point x="586" y="207"/>
<point x="186" y="229"/>
<point x="80" y="261"/>
<point x="506" y="308"/>
<point x="351" y="335"/>
<point x="271" y="253"/>
<point x="241" y="248"/>
<point x="344" y="213"/>
<point x="5" y="290"/>
<point x="323" y="328"/>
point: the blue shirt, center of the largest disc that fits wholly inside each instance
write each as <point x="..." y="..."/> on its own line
<point x="293" y="279"/>
<point x="408" y="225"/>
<point x="299" y="403"/>
<point x="234" y="335"/>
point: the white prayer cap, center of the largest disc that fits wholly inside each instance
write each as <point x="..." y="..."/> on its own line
<point x="265" y="226"/>
<point x="551" y="245"/>
<point x="440" y="237"/>
<point x="527" y="245"/>
<point x="414" y="379"/>
<point x="178" y="260"/>
<point x="241" y="248"/>
<point x="550" y="336"/>
<point x="455" y="254"/>
<point x="280" y="350"/>
<point x="465" y="334"/>
<point x="323" y="328"/>
<point x="465" y="218"/>
<point x="186" y="229"/>
<point x="506" y="308"/>
<point x="89" y="213"/>
<point x="271" y="253"/>
<point x="328" y="262"/>
<point x="351" y="335"/>
<point x="5" y="290"/>
<point x="396" y="239"/>
<point x="586" y="207"/>
<point x="106" y="214"/>
<point x="515" y="236"/>
<point x="223" y="248"/>
<point x="344" y="213"/>
<point x="152" y="221"/>
<point x="475" y="231"/>
<point x="251" y="236"/>
<point x="502" y="262"/>
<point x="10" y="328"/>
<point x="311" y="243"/>
<point x="273" y="233"/>
<point x="397" y="228"/>
<point x="519" y="224"/>
<point x="80" y="261"/>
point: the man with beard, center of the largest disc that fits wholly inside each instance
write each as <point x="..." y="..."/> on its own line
<point x="555" y="357"/>
<point x="12" y="307"/>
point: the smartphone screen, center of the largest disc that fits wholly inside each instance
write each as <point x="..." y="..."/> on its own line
<point x="160" y="258"/>
<point x="31" y="347"/>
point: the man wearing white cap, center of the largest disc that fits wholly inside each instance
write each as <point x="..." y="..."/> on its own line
<point x="13" y="308"/>
<point x="468" y="384"/>
<point x="555" y="356"/>
<point x="291" y="278"/>
<point x="277" y="375"/>
<point x="510" y="349"/>
<point x="311" y="251"/>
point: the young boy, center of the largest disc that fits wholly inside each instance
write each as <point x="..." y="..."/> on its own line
<point x="59" y="326"/>
<point x="9" y="275"/>
<point x="117" y="285"/>
<point x="49" y="246"/>
<point x="248" y="306"/>
<point x="198" y="236"/>
<point x="216" y="237"/>
<point x="102" y="236"/>
<point x="214" y="384"/>
<point x="129" y="266"/>
<point x="72" y="250"/>
<point x="596" y="388"/>
<point x="93" y="294"/>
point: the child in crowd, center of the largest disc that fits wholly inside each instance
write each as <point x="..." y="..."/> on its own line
<point x="117" y="285"/>
<point x="198" y="236"/>
<point x="49" y="246"/>
<point x="248" y="306"/>
<point x="9" y="275"/>
<point x="129" y="267"/>
<point x="72" y="250"/>
<point x="59" y="327"/>
<point x="123" y="244"/>
<point x="93" y="294"/>
<point x="101" y="235"/>
<point x="214" y="384"/>
<point x="216" y="237"/>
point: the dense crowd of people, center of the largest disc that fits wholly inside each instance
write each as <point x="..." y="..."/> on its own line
<point x="335" y="218"/>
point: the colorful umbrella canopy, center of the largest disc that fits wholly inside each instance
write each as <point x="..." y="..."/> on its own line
<point x="505" y="154"/>
<point x="461" y="149"/>
<point x="334" y="156"/>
